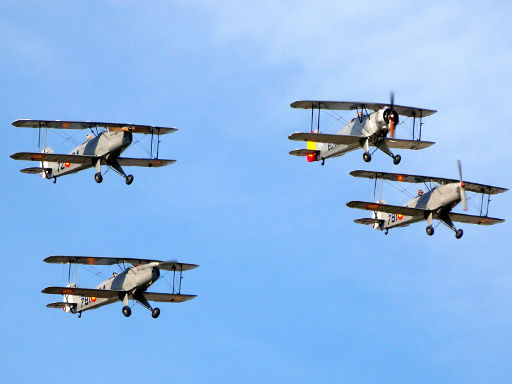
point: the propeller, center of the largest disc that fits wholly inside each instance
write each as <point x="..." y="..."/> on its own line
<point x="461" y="188"/>
<point x="391" y="115"/>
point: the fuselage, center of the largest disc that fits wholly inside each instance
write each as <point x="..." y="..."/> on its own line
<point x="371" y="126"/>
<point x="442" y="198"/>
<point x="105" y="145"/>
<point x="132" y="280"/>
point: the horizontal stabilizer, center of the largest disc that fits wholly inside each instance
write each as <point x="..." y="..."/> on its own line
<point x="54" y="157"/>
<point x="34" y="170"/>
<point x="304" y="152"/>
<point x="134" y="162"/>
<point x="470" y="219"/>
<point x="352" y="105"/>
<point x="61" y="305"/>
<point x="369" y="221"/>
<point x="58" y="124"/>
<point x="89" y="260"/>
<point x="401" y="177"/>
<point x="167" y="297"/>
<point x="86" y="292"/>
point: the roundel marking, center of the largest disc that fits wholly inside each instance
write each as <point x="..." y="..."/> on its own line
<point x="400" y="216"/>
<point x="400" y="177"/>
<point x="93" y="299"/>
<point x="372" y="206"/>
<point x="67" y="165"/>
<point x="38" y="156"/>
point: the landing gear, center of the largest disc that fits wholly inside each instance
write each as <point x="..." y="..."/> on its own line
<point x="459" y="233"/>
<point x="155" y="313"/>
<point x="129" y="179"/>
<point x="367" y="157"/>
<point x="396" y="159"/>
<point x="54" y="180"/>
<point x="98" y="177"/>
<point x="323" y="161"/>
<point x="386" y="231"/>
<point x="127" y="311"/>
<point x="80" y="314"/>
<point x="430" y="230"/>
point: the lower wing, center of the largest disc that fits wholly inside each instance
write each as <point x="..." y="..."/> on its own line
<point x="369" y="206"/>
<point x="54" y="157"/>
<point x="134" y="162"/>
<point x="304" y="152"/>
<point x="408" y="144"/>
<point x="470" y="219"/>
<point x="86" y="292"/>
<point x="326" y="138"/>
<point x="167" y="297"/>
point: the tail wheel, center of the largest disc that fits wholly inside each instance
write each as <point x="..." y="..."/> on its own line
<point x="98" y="177"/>
<point x="129" y="179"/>
<point x="155" y="313"/>
<point x="430" y="230"/>
<point x="127" y="311"/>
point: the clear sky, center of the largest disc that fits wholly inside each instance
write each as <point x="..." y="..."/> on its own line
<point x="289" y="288"/>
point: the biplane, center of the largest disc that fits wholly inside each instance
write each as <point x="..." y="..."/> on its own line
<point x="131" y="284"/>
<point x="435" y="204"/>
<point x="102" y="147"/>
<point x="364" y="131"/>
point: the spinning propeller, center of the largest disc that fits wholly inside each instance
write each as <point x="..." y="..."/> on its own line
<point x="461" y="188"/>
<point x="391" y="116"/>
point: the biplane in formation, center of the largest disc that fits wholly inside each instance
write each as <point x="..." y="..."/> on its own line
<point x="103" y="147"/>
<point x="364" y="131"/>
<point x="131" y="284"/>
<point x="435" y="204"/>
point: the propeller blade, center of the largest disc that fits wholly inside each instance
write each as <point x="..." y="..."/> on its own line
<point x="391" y="119"/>
<point x="461" y="188"/>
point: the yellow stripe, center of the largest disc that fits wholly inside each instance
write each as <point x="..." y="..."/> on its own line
<point x="310" y="145"/>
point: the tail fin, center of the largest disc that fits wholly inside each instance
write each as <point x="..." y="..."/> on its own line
<point x="312" y="156"/>
<point x="70" y="299"/>
<point x="379" y="216"/>
<point x="46" y="164"/>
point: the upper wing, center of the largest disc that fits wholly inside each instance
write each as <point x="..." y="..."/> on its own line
<point x="369" y="206"/>
<point x="168" y="297"/>
<point x="470" y="219"/>
<point x="134" y="162"/>
<point x="326" y="138"/>
<point x="87" y="292"/>
<point x="54" y="157"/>
<point x="472" y="187"/>
<point x="166" y="265"/>
<point x="408" y="144"/>
<point x="351" y="105"/>
<point x="58" y="124"/>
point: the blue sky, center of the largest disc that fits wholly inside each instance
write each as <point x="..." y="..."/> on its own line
<point x="289" y="288"/>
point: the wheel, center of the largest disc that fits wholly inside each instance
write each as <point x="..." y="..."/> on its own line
<point x="129" y="179"/>
<point x="396" y="159"/>
<point x="98" y="177"/>
<point x="459" y="233"/>
<point x="127" y="311"/>
<point x="155" y="312"/>
<point x="367" y="157"/>
<point x="430" y="230"/>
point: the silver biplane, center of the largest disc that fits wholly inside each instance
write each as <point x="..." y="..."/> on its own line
<point x="436" y="204"/>
<point x="364" y="131"/>
<point x="131" y="284"/>
<point x="100" y="148"/>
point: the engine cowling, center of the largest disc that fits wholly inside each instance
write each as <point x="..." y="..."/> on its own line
<point x="384" y="116"/>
